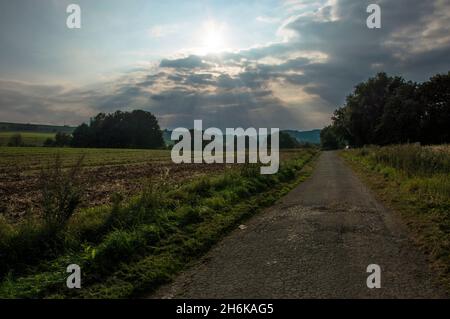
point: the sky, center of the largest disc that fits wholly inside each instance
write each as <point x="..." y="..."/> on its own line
<point x="249" y="63"/>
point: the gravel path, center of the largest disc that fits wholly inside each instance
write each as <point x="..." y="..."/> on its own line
<point x="314" y="243"/>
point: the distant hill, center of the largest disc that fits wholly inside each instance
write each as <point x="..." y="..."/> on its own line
<point x="312" y="137"/>
<point x="301" y="136"/>
<point x="38" y="128"/>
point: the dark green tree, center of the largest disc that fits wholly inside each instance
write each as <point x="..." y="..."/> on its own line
<point x="136" y="129"/>
<point x="400" y="122"/>
<point x="365" y="108"/>
<point x="62" y="139"/>
<point x="83" y="136"/>
<point x="435" y="97"/>
<point x="287" y="141"/>
<point x="388" y="110"/>
<point x="16" y="140"/>
<point x="330" y="139"/>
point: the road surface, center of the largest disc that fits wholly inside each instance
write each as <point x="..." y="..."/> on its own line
<point x="314" y="243"/>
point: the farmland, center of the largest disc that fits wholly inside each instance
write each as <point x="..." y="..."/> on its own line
<point x="29" y="138"/>
<point x="105" y="172"/>
<point x="32" y="134"/>
<point x="139" y="241"/>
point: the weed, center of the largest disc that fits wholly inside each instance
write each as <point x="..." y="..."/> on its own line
<point x="61" y="192"/>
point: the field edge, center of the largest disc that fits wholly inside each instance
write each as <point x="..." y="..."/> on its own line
<point x="421" y="229"/>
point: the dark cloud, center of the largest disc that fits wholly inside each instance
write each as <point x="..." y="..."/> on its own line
<point x="190" y="62"/>
<point x="356" y="52"/>
<point x="41" y="103"/>
<point x="353" y="52"/>
<point x="293" y="84"/>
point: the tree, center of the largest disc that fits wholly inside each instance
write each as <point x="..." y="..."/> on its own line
<point x="62" y="139"/>
<point x="16" y="140"/>
<point x="435" y="97"/>
<point x="400" y="122"/>
<point x="49" y="142"/>
<point x="388" y="110"/>
<point x="365" y="107"/>
<point x="287" y="141"/>
<point x="330" y="139"/>
<point x="83" y="136"/>
<point x="136" y="129"/>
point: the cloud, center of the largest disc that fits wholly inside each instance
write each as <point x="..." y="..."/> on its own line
<point x="189" y="62"/>
<point x="354" y="52"/>
<point x="294" y="83"/>
<point x="25" y="102"/>
<point x="266" y="19"/>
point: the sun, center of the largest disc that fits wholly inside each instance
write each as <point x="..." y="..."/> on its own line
<point x="213" y="37"/>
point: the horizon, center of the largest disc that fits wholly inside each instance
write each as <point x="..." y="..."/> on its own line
<point x="162" y="128"/>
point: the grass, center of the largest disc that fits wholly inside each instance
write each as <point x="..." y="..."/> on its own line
<point x="133" y="246"/>
<point x="415" y="181"/>
<point x="29" y="138"/>
<point x="34" y="158"/>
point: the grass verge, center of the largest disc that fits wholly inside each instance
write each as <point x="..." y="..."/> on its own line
<point x="415" y="181"/>
<point x="133" y="247"/>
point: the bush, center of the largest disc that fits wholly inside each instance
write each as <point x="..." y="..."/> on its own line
<point x="61" y="192"/>
<point x="37" y="239"/>
<point x="16" y="140"/>
<point x="25" y="244"/>
<point x="49" y="142"/>
<point x="62" y="139"/>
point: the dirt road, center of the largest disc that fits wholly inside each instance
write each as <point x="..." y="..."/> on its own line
<point x="315" y="243"/>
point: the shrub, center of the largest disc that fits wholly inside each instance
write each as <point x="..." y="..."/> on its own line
<point x="49" y="142"/>
<point x="16" y="140"/>
<point x="62" y="139"/>
<point x="25" y="244"/>
<point x="61" y="192"/>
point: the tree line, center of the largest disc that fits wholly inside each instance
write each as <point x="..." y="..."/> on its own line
<point x="136" y="129"/>
<point x="390" y="110"/>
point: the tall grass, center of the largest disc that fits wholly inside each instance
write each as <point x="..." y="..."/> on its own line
<point x="416" y="181"/>
<point x="412" y="159"/>
<point x="42" y="237"/>
<point x="426" y="168"/>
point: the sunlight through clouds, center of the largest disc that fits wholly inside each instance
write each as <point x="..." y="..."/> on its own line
<point x="289" y="62"/>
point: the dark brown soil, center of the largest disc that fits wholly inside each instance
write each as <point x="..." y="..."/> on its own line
<point x="20" y="195"/>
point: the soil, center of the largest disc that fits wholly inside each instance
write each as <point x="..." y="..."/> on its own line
<point x="20" y="194"/>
